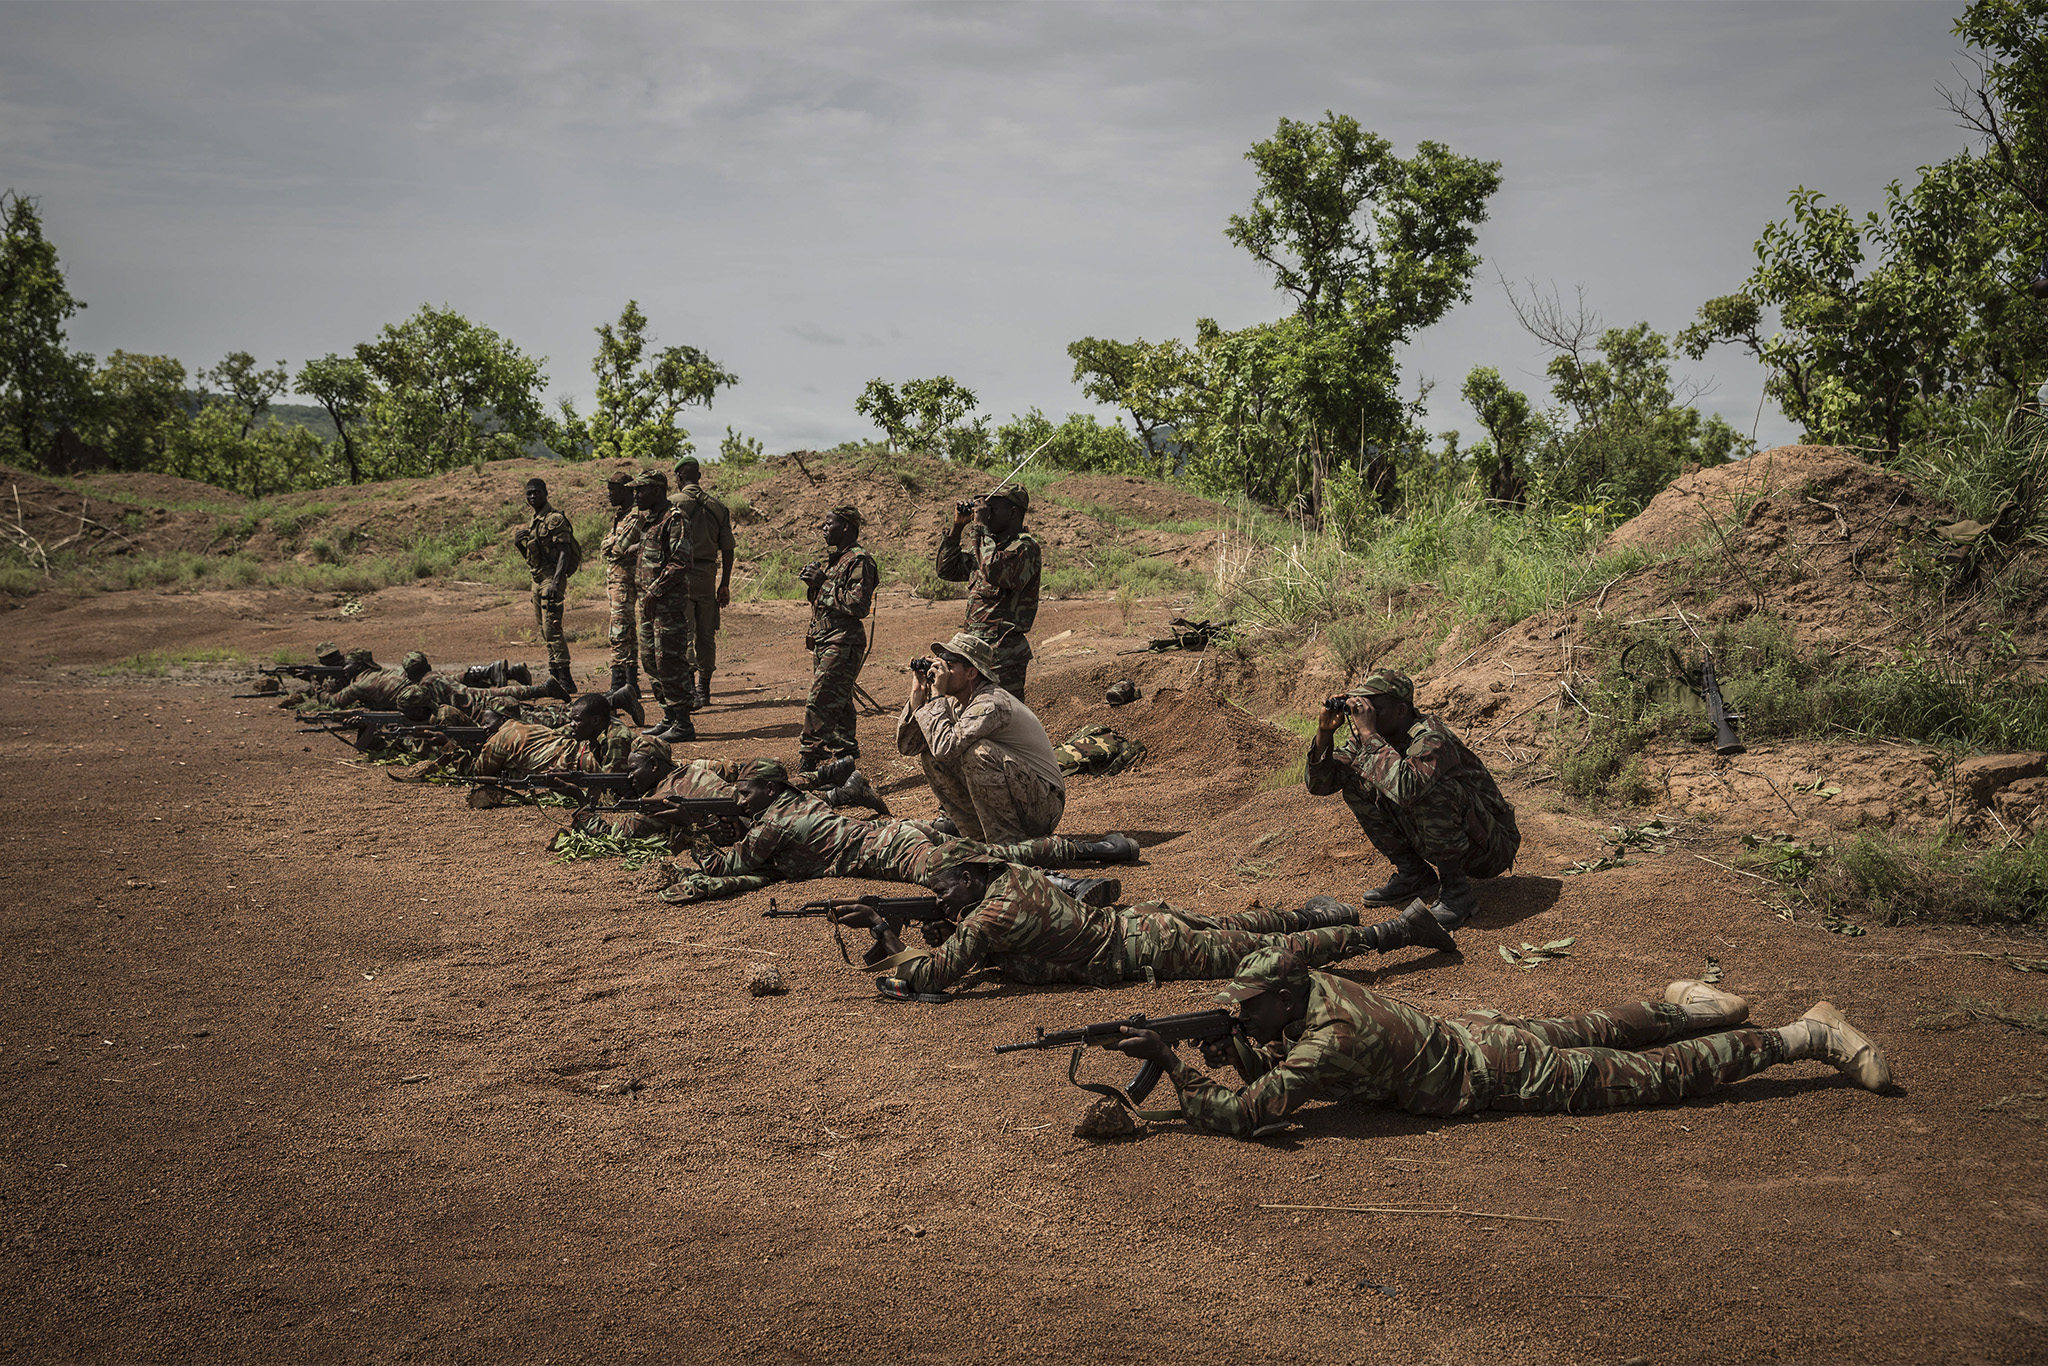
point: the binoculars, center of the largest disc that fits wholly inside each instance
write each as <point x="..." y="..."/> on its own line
<point x="1342" y="704"/>
<point x="968" y="505"/>
<point x="920" y="667"/>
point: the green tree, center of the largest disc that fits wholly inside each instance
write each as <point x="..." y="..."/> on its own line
<point x="1143" y="379"/>
<point x="1512" y="426"/>
<point x="1080" y="442"/>
<point x="139" y="404"/>
<point x="42" y="386"/>
<point x="449" y="392"/>
<point x="343" y="386"/>
<point x="935" y="414"/>
<point x="641" y="392"/>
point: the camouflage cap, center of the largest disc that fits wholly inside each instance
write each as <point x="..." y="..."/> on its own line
<point x="652" y="479"/>
<point x="848" y="512"/>
<point x="414" y="659"/>
<point x="327" y="652"/>
<point x="621" y="477"/>
<point x="415" y="702"/>
<point x="773" y="770"/>
<point x="1015" y="493"/>
<point x="971" y="648"/>
<point x="360" y="659"/>
<point x="1263" y="971"/>
<point x="1382" y="681"/>
<point x="643" y="743"/>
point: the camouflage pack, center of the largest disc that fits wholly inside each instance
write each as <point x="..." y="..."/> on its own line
<point x="1098" y="752"/>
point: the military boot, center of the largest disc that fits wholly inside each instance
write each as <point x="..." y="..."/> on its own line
<point x="704" y="689"/>
<point x="830" y="773"/>
<point x="1412" y="877"/>
<point x="1321" y="911"/>
<point x="1111" y="848"/>
<point x="1416" y="927"/>
<point x="565" y="675"/>
<point x="627" y="700"/>
<point x="1456" y="898"/>
<point x="857" y="791"/>
<point x="517" y="673"/>
<point x="500" y="671"/>
<point x="1089" y="891"/>
<point x="619" y="678"/>
<point x="677" y="726"/>
<point x="1707" y="1006"/>
<point x="558" y="687"/>
<point x="1823" y="1033"/>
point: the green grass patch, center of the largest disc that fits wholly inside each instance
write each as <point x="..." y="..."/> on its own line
<point x="157" y="663"/>
<point x="1902" y="880"/>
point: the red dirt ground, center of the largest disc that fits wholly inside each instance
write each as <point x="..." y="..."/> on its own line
<point x="303" y="1064"/>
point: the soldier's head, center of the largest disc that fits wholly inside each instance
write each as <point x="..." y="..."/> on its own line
<point x="415" y="665"/>
<point x="646" y="766"/>
<point x="618" y="490"/>
<point x="961" y="665"/>
<point x="1002" y="512"/>
<point x="650" y="491"/>
<point x="536" y="494"/>
<point x="1270" y="991"/>
<point x="759" y="789"/>
<point x="327" y="653"/>
<point x="359" y="662"/>
<point x="960" y="887"/>
<point x="688" y="471"/>
<point x="842" y="526"/>
<point x="589" y="715"/>
<point x="1386" y="697"/>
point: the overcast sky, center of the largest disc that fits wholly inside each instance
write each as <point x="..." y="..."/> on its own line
<point x="819" y="195"/>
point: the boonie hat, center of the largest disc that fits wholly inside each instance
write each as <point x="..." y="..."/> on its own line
<point x="1382" y="681"/>
<point x="1263" y="971"/>
<point x="327" y="652"/>
<point x="971" y="648"/>
<point x="1017" y="494"/>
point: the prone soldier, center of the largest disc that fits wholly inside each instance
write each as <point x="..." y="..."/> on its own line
<point x="591" y="742"/>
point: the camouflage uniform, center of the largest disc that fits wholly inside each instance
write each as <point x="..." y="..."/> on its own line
<point x="551" y="535"/>
<point x="710" y="540"/>
<point x="665" y="635"/>
<point x="372" y="691"/>
<point x="1357" y="1045"/>
<point x="698" y="778"/>
<point x="1035" y="933"/>
<point x="520" y="748"/>
<point x="799" y="838"/>
<point x="838" y="643"/>
<point x="989" y="762"/>
<point x="1002" y="595"/>
<point x="440" y="691"/>
<point x="621" y="552"/>
<point x="1426" y="793"/>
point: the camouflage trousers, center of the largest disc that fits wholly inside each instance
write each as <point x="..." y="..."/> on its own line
<point x="623" y="594"/>
<point x="828" y="712"/>
<point x="547" y="623"/>
<point x="704" y="622"/>
<point x="666" y="660"/>
<point x="1160" y="946"/>
<point x="1013" y="655"/>
<point x="992" y="797"/>
<point x="1450" y="822"/>
<point x="1629" y="1055"/>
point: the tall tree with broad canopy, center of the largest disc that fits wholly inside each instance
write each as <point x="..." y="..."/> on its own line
<point x="641" y="394"/>
<point x="42" y="385"/>
<point x="449" y="392"/>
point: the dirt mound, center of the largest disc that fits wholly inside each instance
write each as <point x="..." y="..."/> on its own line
<point x="1821" y="475"/>
<point x="91" y="519"/>
<point x="1132" y="498"/>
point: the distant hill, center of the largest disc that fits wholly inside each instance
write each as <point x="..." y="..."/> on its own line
<point x="308" y="415"/>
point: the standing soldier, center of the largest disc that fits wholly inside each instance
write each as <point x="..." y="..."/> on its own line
<point x="1001" y="574"/>
<point x="710" y="580"/>
<point x="841" y="589"/>
<point x="621" y="551"/>
<point x="551" y="552"/>
<point x="665" y="606"/>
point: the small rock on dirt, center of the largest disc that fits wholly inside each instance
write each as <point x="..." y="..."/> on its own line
<point x="1104" y="1122"/>
<point x="764" y="979"/>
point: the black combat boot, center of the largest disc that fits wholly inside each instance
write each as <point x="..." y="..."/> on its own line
<point x="1324" y="911"/>
<point x="1416" y="927"/>
<point x="627" y="700"/>
<point x="500" y="671"/>
<point x="1412" y="877"/>
<point x="945" y="826"/>
<point x="1111" y="848"/>
<point x="565" y="675"/>
<point x="620" y="678"/>
<point x="559" y="688"/>
<point x="832" y="772"/>
<point x="1089" y="891"/>
<point x="857" y="791"/>
<point x="678" y="727"/>
<point x="517" y="673"/>
<point x="1456" y="898"/>
<point x="704" y="689"/>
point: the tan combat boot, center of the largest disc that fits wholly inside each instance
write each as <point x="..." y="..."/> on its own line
<point x="1707" y="1006"/>
<point x="1823" y="1033"/>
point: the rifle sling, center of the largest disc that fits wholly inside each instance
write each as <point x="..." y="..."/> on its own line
<point x="1114" y="1093"/>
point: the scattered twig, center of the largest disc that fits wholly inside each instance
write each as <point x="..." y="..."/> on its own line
<point x="1453" y="1211"/>
<point x="1718" y="864"/>
<point x="1774" y="788"/>
<point x="1519" y="715"/>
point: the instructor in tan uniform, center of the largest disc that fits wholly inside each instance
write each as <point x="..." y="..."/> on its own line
<point x="986" y="756"/>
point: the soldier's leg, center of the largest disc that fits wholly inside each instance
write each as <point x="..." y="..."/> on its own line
<point x="954" y="799"/>
<point x="1643" y="1024"/>
<point x="828" y="711"/>
<point x="1382" y="822"/>
<point x="547" y="609"/>
<point x="648" y="671"/>
<point x="671" y="670"/>
<point x="1533" y="1075"/>
<point x="623" y="635"/>
<point x="1011" y="803"/>
<point x="704" y="620"/>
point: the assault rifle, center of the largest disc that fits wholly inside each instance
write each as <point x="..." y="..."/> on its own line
<point x="309" y="673"/>
<point x="371" y="727"/>
<point x="334" y="722"/>
<point x="1186" y="635"/>
<point x="1725" y="739"/>
<point x="895" y="912"/>
<point x="1197" y="1026"/>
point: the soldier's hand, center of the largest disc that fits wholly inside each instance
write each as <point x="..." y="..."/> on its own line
<point x="811" y="573"/>
<point x="1213" y="1053"/>
<point x="725" y="595"/>
<point x="521" y="537"/>
<point x="920" y="689"/>
<point x="855" y="916"/>
<point x="1327" y="723"/>
<point x="962" y="515"/>
<point x="1142" y="1044"/>
<point x="560" y="586"/>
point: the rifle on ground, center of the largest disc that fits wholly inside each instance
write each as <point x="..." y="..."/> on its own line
<point x="308" y="673"/>
<point x="701" y="808"/>
<point x="1198" y="1026"/>
<point x="361" y="722"/>
<point x="895" y="911"/>
<point x="1193" y="636"/>
<point x="554" y="780"/>
<point x="1725" y="739"/>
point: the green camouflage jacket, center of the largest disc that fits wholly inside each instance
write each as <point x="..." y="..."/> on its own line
<point x="710" y="531"/>
<point x="1029" y="929"/>
<point x="1002" y="580"/>
<point x="552" y="534"/>
<point x="520" y="748"/>
<point x="372" y="691"/>
<point x="799" y="837"/>
<point x="621" y="546"/>
<point x="1353" y="1045"/>
<point x="1433" y="755"/>
<point x="665" y="554"/>
<point x="844" y="597"/>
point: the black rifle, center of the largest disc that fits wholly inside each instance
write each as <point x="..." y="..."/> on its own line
<point x="895" y="913"/>
<point x="353" y="720"/>
<point x="1187" y="635"/>
<point x="1199" y="1026"/>
<point x="554" y="780"/>
<point x="698" y="808"/>
<point x="310" y="673"/>
<point x="1725" y="739"/>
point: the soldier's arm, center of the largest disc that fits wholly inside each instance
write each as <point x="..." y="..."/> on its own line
<point x="1404" y="777"/>
<point x="946" y="738"/>
<point x="1307" y="1072"/>
<point x="727" y="548"/>
<point x="703" y="887"/>
<point x="1325" y="768"/>
<point x="929" y="969"/>
<point x="952" y="562"/>
<point x="1015" y="570"/>
<point x="910" y="739"/>
<point x="862" y="576"/>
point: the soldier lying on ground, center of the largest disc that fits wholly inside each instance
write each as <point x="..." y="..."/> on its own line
<point x="1013" y="919"/>
<point x="796" y="837"/>
<point x="591" y="742"/>
<point x="1421" y="797"/>
<point x="656" y="777"/>
<point x="1329" y="1039"/>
